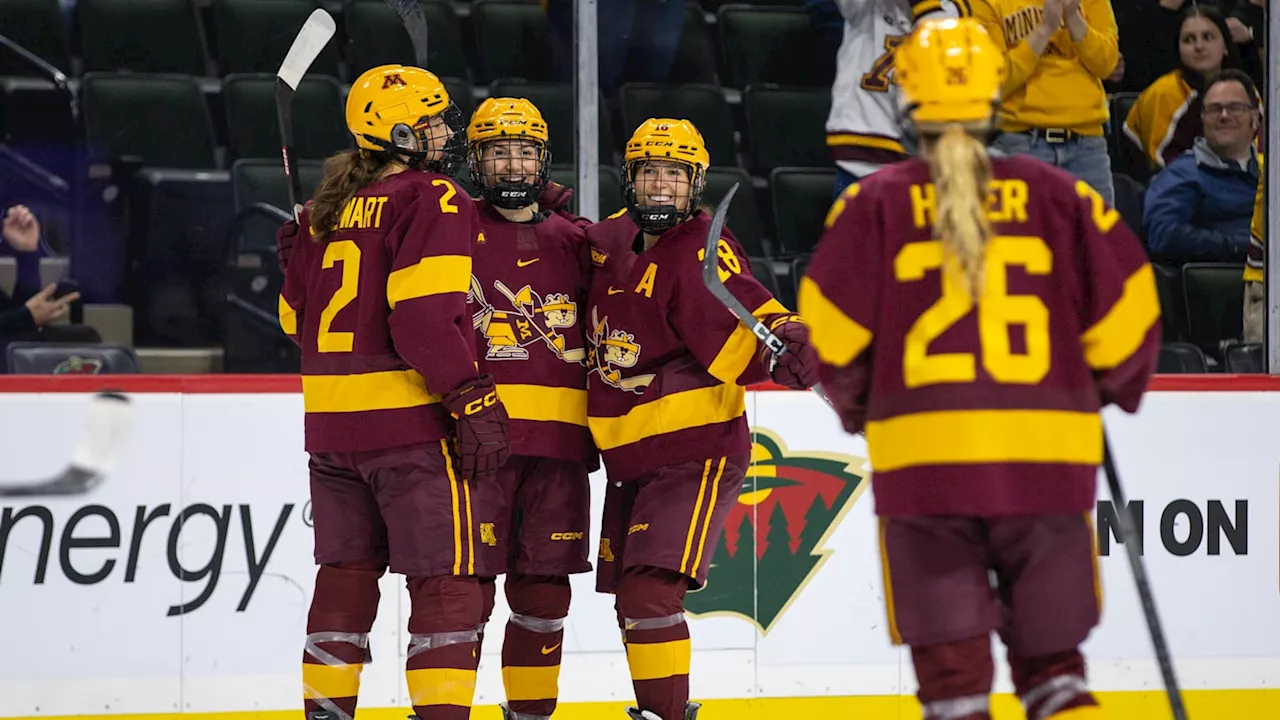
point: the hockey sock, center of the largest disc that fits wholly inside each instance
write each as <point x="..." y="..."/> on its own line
<point x="443" y="646"/>
<point x="342" y="611"/>
<point x="532" y="646"/>
<point x="1054" y="686"/>
<point x="488" y="590"/>
<point x="955" y="679"/>
<point x="650" y="604"/>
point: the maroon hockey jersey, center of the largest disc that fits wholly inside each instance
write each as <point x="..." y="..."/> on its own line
<point x="986" y="408"/>
<point x="380" y="312"/>
<point x="527" y="301"/>
<point x="669" y="361"/>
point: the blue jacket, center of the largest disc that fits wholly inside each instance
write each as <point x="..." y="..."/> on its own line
<point x="1198" y="208"/>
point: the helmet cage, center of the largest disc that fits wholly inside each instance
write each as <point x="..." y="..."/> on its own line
<point x="510" y="195"/>
<point x="657" y="219"/>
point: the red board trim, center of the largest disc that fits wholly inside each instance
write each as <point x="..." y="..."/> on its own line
<point x="289" y="384"/>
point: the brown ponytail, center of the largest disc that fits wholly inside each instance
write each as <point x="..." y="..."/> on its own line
<point x="961" y="172"/>
<point x="345" y="174"/>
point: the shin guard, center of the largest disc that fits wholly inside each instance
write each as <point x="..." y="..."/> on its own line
<point x="443" y="645"/>
<point x="532" y="646"/>
<point x="650" y="605"/>
<point x="343" y="608"/>
<point x="955" y="679"/>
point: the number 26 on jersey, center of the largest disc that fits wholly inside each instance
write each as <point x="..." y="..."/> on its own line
<point x="997" y="312"/>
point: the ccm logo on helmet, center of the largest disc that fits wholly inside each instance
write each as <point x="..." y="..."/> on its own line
<point x="566" y="536"/>
<point x="475" y="406"/>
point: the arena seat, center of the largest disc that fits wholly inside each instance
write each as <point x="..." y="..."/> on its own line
<point x="43" y="358"/>
<point x="695" y="60"/>
<point x="610" y="187"/>
<point x="511" y="41"/>
<point x="801" y="199"/>
<point x="703" y="105"/>
<point x="786" y="127"/>
<point x="252" y="130"/>
<point x="157" y="36"/>
<point x="1181" y="358"/>
<point x="263" y="181"/>
<point x="36" y="25"/>
<point x="770" y="45"/>
<point x="744" y="214"/>
<point x="254" y="35"/>
<point x="1215" y="302"/>
<point x="762" y="270"/>
<point x="376" y="36"/>
<point x="1131" y="196"/>
<point x="1245" y="358"/>
<point x="161" y="119"/>
<point x="555" y="102"/>
<point x="1173" y="305"/>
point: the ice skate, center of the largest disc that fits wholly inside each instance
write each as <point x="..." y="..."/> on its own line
<point x="509" y="714"/>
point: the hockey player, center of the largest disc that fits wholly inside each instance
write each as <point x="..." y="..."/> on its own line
<point x="400" y="426"/>
<point x="864" y="130"/>
<point x="666" y="403"/>
<point x="528" y="288"/>
<point x="972" y="315"/>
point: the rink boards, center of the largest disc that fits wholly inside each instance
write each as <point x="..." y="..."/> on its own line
<point x="181" y="585"/>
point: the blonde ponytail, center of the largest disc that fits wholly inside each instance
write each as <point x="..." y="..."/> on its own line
<point x="961" y="173"/>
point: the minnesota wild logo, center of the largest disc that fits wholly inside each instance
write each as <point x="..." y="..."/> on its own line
<point x="789" y="504"/>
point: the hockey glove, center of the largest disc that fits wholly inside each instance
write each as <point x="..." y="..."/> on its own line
<point x="797" y="369"/>
<point x="286" y="236"/>
<point x="481" y="442"/>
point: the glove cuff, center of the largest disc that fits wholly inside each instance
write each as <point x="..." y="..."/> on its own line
<point x="471" y="398"/>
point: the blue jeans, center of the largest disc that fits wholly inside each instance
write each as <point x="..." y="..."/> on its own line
<point x="1084" y="157"/>
<point x="844" y="179"/>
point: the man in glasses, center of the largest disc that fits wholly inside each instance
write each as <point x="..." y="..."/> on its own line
<point x="1199" y="207"/>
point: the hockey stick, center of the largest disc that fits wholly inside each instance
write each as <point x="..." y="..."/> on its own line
<point x="711" y="278"/>
<point x="1129" y="537"/>
<point x="107" y="431"/>
<point x="311" y="39"/>
<point x="410" y="12"/>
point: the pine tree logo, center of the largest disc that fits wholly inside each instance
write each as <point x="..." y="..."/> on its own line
<point x="789" y="504"/>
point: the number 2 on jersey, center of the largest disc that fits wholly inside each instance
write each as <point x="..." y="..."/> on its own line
<point x="996" y="313"/>
<point x="877" y="79"/>
<point x="347" y="253"/>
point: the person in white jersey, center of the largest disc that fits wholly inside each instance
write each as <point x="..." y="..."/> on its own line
<point x="864" y="128"/>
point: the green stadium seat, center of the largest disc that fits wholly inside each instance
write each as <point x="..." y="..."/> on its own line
<point x="555" y="102"/>
<point x="1173" y="306"/>
<point x="744" y="214"/>
<point x="801" y="200"/>
<point x="152" y="36"/>
<point x="703" y="105"/>
<point x="252" y="130"/>
<point x="1215" y="303"/>
<point x="376" y="36"/>
<point x="161" y="119"/>
<point x="770" y="45"/>
<point x="253" y="36"/>
<point x="610" y="187"/>
<point x="695" y="60"/>
<point x="1245" y="358"/>
<point x="511" y="41"/>
<point x="36" y="25"/>
<point x="762" y="270"/>
<point x="1180" y="358"/>
<point x="786" y="127"/>
<point x="263" y="181"/>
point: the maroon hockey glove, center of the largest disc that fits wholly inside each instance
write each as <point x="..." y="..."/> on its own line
<point x="798" y="367"/>
<point x="554" y="197"/>
<point x="481" y="443"/>
<point x="286" y="236"/>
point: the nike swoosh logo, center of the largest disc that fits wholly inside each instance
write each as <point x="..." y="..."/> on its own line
<point x="615" y="291"/>
<point x="548" y="650"/>
<point x="526" y="263"/>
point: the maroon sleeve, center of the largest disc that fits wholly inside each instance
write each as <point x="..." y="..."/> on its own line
<point x="1121" y="311"/>
<point x="713" y="334"/>
<point x="293" y="295"/>
<point x="427" y="288"/>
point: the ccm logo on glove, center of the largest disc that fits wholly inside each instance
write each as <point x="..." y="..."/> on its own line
<point x="476" y="406"/>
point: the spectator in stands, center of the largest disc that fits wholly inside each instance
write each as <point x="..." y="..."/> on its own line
<point x="1255" y="314"/>
<point x="1166" y="118"/>
<point x="1199" y="207"/>
<point x="645" y="31"/>
<point x="1146" y="24"/>
<point x="1054" y="107"/>
<point x="30" y="308"/>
